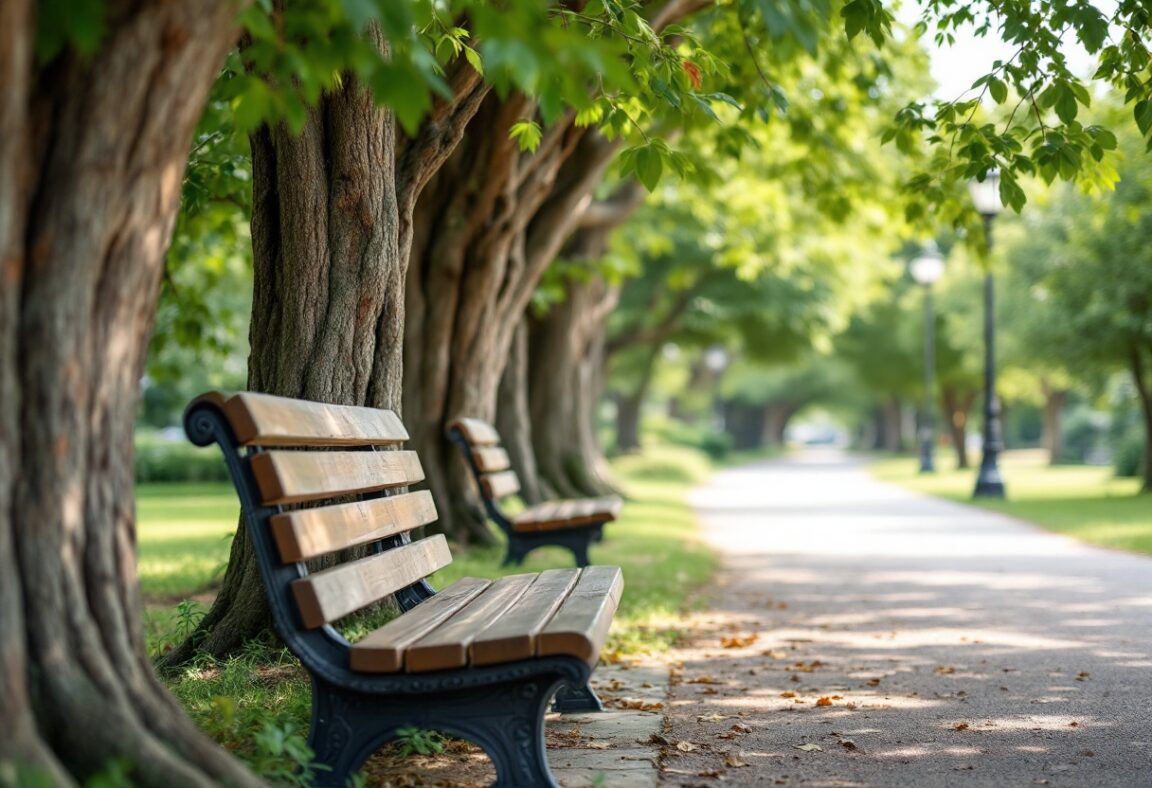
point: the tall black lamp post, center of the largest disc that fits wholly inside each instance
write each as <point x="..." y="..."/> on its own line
<point x="927" y="270"/>
<point x="989" y="484"/>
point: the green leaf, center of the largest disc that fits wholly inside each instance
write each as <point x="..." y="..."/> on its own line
<point x="527" y="134"/>
<point x="1143" y="114"/>
<point x="473" y="58"/>
<point x="998" y="90"/>
<point x="1065" y="103"/>
<point x="62" y="23"/>
<point x="649" y="166"/>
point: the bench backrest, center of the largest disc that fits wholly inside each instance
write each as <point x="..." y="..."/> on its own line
<point x="488" y="461"/>
<point x="313" y="481"/>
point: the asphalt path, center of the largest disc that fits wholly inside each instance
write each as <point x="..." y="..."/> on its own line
<point x="864" y="635"/>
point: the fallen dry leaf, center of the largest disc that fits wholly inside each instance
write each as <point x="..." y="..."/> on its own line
<point x="739" y="641"/>
<point x="656" y="738"/>
<point x="705" y="679"/>
<point x="873" y="682"/>
<point x="807" y="667"/>
<point x="851" y="706"/>
<point x="711" y="717"/>
<point x="773" y="654"/>
<point x="963" y="726"/>
<point x="597" y="745"/>
<point x="945" y="669"/>
<point x="686" y="746"/>
<point x="1083" y="675"/>
<point x="808" y="747"/>
<point x="788" y="694"/>
<point x="824" y="702"/>
<point x="708" y="691"/>
<point x="713" y="773"/>
<point x="734" y="761"/>
<point x="848" y="744"/>
<point x="634" y="704"/>
<point x="740" y="728"/>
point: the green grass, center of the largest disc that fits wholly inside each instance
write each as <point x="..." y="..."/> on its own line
<point x="1085" y="502"/>
<point x="184" y="534"/>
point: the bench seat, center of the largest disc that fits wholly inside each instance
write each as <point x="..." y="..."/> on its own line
<point x="551" y="515"/>
<point x="481" y="622"/>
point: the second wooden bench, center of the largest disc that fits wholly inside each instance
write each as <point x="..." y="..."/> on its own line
<point x="573" y="524"/>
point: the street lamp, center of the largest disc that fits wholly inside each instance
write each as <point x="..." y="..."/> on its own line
<point x="927" y="270"/>
<point x="989" y="484"/>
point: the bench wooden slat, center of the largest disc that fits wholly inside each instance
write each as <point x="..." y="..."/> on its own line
<point x="554" y="515"/>
<point x="265" y="420"/>
<point x="580" y="626"/>
<point x="476" y="432"/>
<point x="513" y="635"/>
<point x="333" y="593"/>
<point x="308" y="533"/>
<point x="491" y="459"/>
<point x="294" y="476"/>
<point x="447" y="646"/>
<point x="382" y="651"/>
<point x="498" y="485"/>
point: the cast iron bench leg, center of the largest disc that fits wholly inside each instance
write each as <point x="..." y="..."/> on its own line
<point x="516" y="743"/>
<point x="572" y="700"/>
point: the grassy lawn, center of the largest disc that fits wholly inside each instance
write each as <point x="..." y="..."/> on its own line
<point x="1085" y="502"/>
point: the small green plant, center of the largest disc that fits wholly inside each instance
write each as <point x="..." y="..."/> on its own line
<point x="114" y="775"/>
<point x="416" y="741"/>
<point x="189" y="614"/>
<point x="281" y="753"/>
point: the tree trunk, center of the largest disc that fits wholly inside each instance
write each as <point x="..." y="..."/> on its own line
<point x="327" y="306"/>
<point x="776" y="418"/>
<point x="746" y="424"/>
<point x="92" y="154"/>
<point x="1139" y="368"/>
<point x="484" y="231"/>
<point x="1053" y="438"/>
<point x="957" y="406"/>
<point x="513" y="419"/>
<point x="564" y="386"/>
<point x="629" y="406"/>
<point x="893" y="419"/>
<point x="330" y="234"/>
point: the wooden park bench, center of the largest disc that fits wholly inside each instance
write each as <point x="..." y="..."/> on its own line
<point x="572" y="524"/>
<point x="478" y="659"/>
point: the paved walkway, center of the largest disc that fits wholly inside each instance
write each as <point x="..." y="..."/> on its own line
<point x="867" y="636"/>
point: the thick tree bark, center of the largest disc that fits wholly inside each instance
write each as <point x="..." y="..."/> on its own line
<point x="513" y="417"/>
<point x="92" y="154"/>
<point x="566" y="360"/>
<point x="484" y="231"/>
<point x="327" y="307"/>
<point x="331" y="212"/>
<point x="957" y="406"/>
<point x="1053" y="437"/>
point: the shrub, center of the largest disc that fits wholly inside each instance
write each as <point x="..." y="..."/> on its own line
<point x="163" y="457"/>
<point x="1128" y="459"/>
